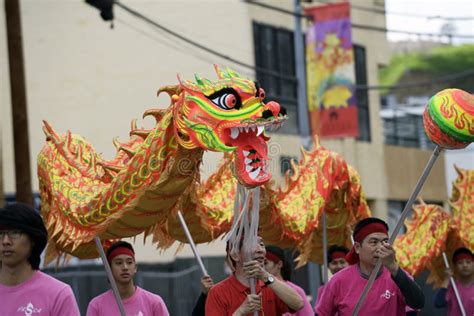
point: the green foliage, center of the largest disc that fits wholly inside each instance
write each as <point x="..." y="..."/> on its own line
<point x="440" y="61"/>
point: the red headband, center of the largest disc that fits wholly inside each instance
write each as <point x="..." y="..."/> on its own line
<point x="120" y="251"/>
<point x="352" y="257"/>
<point x="272" y="257"/>
<point x="461" y="256"/>
<point x="338" y="255"/>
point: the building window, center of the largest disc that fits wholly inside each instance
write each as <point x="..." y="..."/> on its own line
<point x="403" y="123"/>
<point x="276" y="72"/>
<point x="362" y="95"/>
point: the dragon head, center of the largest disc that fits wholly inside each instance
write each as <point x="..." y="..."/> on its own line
<point x="227" y="115"/>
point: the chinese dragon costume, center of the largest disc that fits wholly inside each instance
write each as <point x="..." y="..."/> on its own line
<point x="156" y="173"/>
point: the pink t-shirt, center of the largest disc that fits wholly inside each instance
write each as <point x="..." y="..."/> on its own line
<point x="318" y="297"/>
<point x="342" y="292"/>
<point x="141" y="303"/>
<point x="40" y="295"/>
<point x="467" y="299"/>
<point x="306" y="310"/>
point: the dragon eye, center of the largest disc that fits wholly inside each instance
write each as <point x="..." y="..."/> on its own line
<point x="261" y="93"/>
<point x="226" y="101"/>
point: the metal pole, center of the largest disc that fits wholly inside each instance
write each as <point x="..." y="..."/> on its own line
<point x="250" y="238"/>
<point x="453" y="284"/>
<point x="191" y="243"/>
<point x="21" y="146"/>
<point x="325" y="249"/>
<point x="400" y="222"/>
<point x="303" y="122"/>
<point x="108" y="271"/>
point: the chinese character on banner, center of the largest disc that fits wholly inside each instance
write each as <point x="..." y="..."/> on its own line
<point x="330" y="71"/>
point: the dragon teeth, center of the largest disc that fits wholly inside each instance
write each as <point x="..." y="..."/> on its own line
<point x="247" y="161"/>
<point x="246" y="153"/>
<point x="248" y="169"/>
<point x="234" y="133"/>
<point x="254" y="174"/>
<point x="246" y="129"/>
<point x="260" y="130"/>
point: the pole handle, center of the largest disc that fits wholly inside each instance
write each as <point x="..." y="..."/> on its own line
<point x="108" y="271"/>
<point x="191" y="243"/>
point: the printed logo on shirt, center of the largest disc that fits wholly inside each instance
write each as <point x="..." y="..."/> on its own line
<point x="387" y="295"/>
<point x="29" y="309"/>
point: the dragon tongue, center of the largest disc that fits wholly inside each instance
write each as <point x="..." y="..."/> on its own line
<point x="250" y="162"/>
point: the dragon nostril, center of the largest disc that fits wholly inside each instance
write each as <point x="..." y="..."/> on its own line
<point x="267" y="114"/>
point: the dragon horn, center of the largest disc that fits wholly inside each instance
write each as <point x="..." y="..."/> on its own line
<point x="116" y="143"/>
<point x="458" y="170"/>
<point x="232" y="73"/>
<point x="133" y="125"/>
<point x="50" y="133"/>
<point x="219" y="72"/>
<point x="156" y="113"/>
<point x="198" y="80"/>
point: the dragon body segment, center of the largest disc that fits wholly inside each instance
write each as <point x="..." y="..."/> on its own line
<point x="290" y="217"/>
<point x="433" y="230"/>
<point x="85" y="196"/>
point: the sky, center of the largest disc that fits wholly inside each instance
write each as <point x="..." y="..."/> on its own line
<point x="403" y="20"/>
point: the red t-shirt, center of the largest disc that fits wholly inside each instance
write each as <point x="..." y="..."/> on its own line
<point x="225" y="298"/>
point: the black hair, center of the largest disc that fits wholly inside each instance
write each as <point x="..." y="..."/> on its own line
<point x="366" y="221"/>
<point x="335" y="248"/>
<point x="227" y="249"/>
<point x="25" y="218"/>
<point x="462" y="250"/>
<point x="119" y="244"/>
<point x="286" y="266"/>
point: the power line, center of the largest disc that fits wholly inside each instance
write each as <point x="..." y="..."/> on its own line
<point x="383" y="29"/>
<point x="423" y="83"/>
<point x="446" y="78"/>
<point x="202" y="47"/>
<point x="355" y="25"/>
<point x="385" y="12"/>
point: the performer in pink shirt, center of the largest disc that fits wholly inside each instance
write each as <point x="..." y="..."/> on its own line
<point x="23" y="289"/>
<point x="393" y="288"/>
<point x="463" y="260"/>
<point x="280" y="267"/>
<point x="336" y="262"/>
<point x="136" y="301"/>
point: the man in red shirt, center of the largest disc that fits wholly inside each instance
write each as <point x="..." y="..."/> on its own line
<point x="231" y="297"/>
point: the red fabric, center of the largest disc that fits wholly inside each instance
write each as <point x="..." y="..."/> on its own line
<point x="329" y="12"/>
<point x="225" y="298"/>
<point x="337" y="255"/>
<point x="120" y="251"/>
<point x="461" y="256"/>
<point x="352" y="257"/>
<point x="272" y="257"/>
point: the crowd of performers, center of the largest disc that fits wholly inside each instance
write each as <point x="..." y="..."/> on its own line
<point x="24" y="290"/>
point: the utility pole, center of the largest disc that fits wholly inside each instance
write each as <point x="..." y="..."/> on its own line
<point x="303" y="122"/>
<point x="18" y="99"/>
